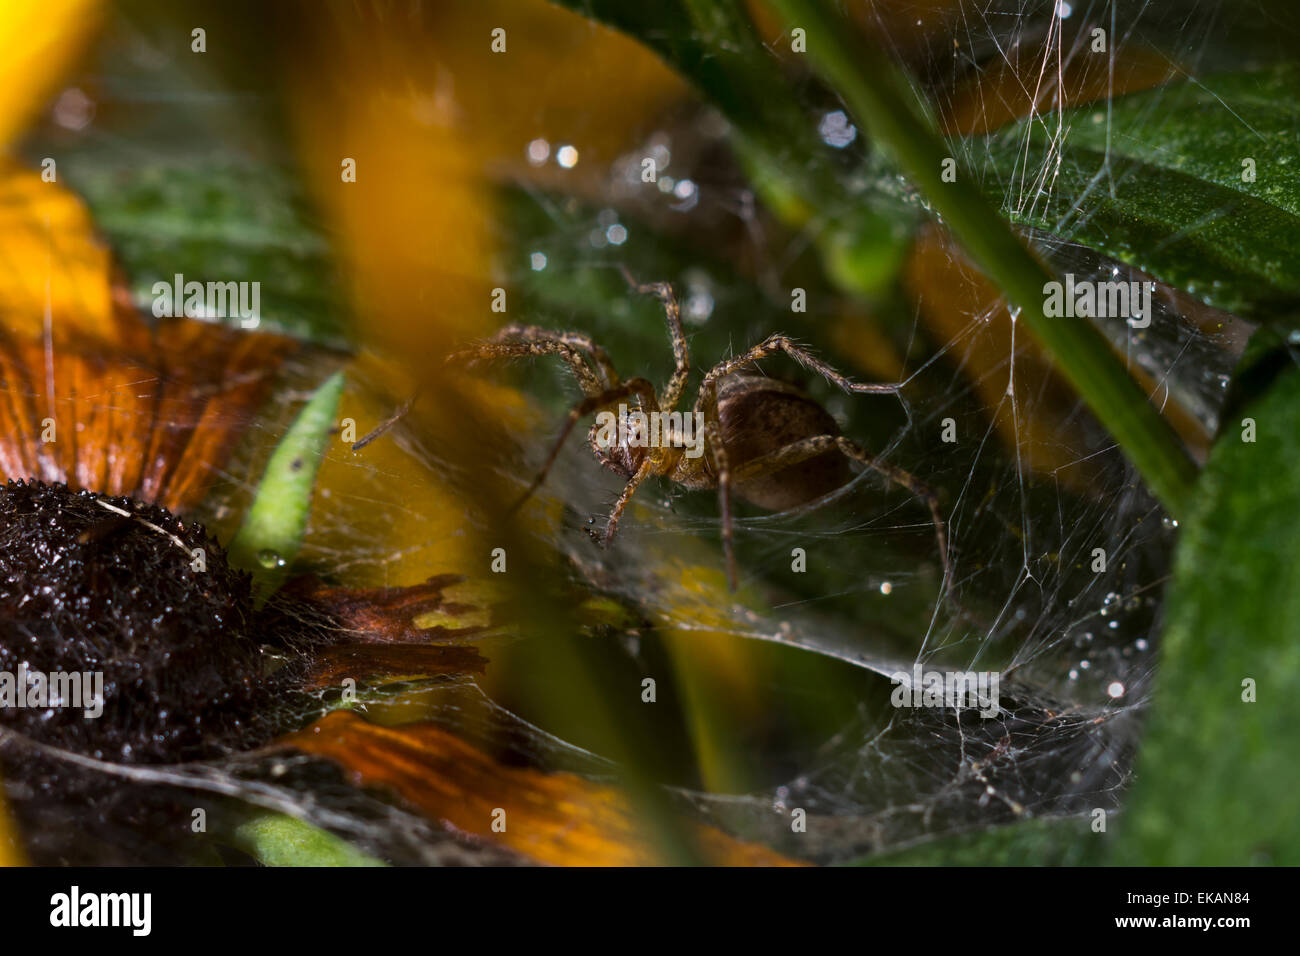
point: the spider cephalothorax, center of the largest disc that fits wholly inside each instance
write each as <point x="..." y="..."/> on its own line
<point x="138" y="603"/>
<point x="764" y="440"/>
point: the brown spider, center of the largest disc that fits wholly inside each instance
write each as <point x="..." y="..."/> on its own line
<point x="764" y="439"/>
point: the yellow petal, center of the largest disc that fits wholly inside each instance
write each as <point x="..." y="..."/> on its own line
<point x="50" y="254"/>
<point x="38" y="41"/>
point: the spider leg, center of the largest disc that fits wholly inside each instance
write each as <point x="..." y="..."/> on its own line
<point x="633" y="386"/>
<point x="782" y="343"/>
<point x="573" y="340"/>
<point x="397" y="416"/>
<point x="629" y="489"/>
<point x="913" y="484"/>
<point x="514" y="341"/>
<point x="681" y="355"/>
<point x="707" y="402"/>
<point x="505" y="345"/>
<point x="807" y="448"/>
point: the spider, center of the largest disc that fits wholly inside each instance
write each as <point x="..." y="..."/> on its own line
<point x="765" y="440"/>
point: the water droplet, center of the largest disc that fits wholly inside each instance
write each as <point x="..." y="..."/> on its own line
<point x="1169" y="523"/>
<point x="1109" y="603"/>
<point x="1115" y="689"/>
<point x="698" y="307"/>
<point x="567" y="156"/>
<point x="270" y="559"/>
<point x="538" y="152"/>
<point x="886" y="587"/>
<point x="1140" y="643"/>
<point x="836" y="130"/>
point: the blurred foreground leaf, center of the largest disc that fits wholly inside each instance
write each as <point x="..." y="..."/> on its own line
<point x="39" y="41"/>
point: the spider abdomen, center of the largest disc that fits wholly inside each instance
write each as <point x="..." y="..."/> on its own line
<point x="760" y="417"/>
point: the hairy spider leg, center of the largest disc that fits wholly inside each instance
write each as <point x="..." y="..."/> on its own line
<point x="681" y="356"/>
<point x="515" y="341"/>
<point x="639" y="387"/>
<point x="588" y="380"/>
<point x="642" y="473"/>
<point x="569" y="345"/>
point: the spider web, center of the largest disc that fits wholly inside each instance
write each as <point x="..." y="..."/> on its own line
<point x="1076" y="647"/>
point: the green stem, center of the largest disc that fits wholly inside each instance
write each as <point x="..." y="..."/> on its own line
<point x="882" y="101"/>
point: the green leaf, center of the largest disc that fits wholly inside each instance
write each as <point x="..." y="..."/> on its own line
<point x="272" y="531"/>
<point x="1219" y="777"/>
<point x="1046" y="841"/>
<point x="218" y="222"/>
<point x="1156" y="181"/>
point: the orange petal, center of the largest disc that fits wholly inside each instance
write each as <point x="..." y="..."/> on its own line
<point x="554" y="818"/>
<point x="391" y="662"/>
<point x="153" y="427"/>
<point x="390" y="614"/>
<point x="88" y="394"/>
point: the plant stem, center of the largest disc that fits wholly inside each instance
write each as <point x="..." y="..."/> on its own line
<point x="882" y="101"/>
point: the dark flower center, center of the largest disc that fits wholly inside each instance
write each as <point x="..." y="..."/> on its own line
<point x="143" y="607"/>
